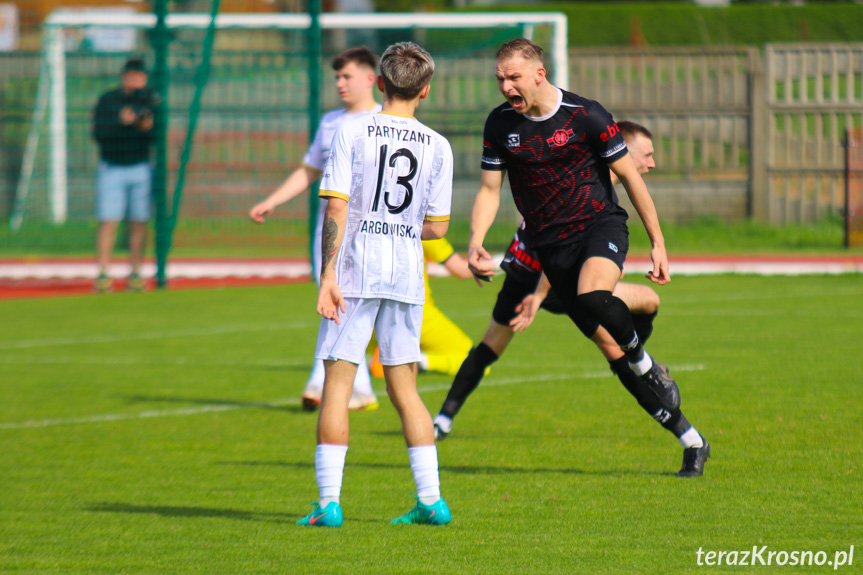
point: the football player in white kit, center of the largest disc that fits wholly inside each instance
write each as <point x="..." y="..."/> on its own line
<point x="388" y="182"/>
<point x="355" y="80"/>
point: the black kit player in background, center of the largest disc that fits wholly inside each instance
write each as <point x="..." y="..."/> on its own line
<point x="558" y="150"/>
<point x="526" y="289"/>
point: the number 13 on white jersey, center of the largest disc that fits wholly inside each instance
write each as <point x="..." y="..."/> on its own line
<point x="394" y="172"/>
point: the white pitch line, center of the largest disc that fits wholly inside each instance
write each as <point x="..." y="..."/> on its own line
<point x="221" y="407"/>
<point x="300" y="269"/>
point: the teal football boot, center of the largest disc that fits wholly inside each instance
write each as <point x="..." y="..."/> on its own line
<point x="435" y="514"/>
<point x="330" y="516"/>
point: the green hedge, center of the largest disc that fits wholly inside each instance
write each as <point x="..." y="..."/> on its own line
<point x="673" y="24"/>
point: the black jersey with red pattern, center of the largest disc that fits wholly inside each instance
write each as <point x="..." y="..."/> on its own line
<point x="557" y="165"/>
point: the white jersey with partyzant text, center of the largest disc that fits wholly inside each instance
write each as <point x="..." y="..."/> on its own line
<point x="394" y="172"/>
<point x="315" y="158"/>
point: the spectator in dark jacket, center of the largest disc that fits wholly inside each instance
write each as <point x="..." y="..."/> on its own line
<point x="123" y="128"/>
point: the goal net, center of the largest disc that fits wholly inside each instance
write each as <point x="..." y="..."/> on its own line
<point x="253" y="126"/>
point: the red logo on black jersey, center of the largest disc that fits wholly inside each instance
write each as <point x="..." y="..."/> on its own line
<point x="559" y="138"/>
<point x="518" y="252"/>
<point x="611" y="132"/>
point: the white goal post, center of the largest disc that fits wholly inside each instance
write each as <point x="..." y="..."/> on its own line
<point x="56" y="69"/>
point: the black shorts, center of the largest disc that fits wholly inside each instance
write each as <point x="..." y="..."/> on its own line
<point x="607" y="238"/>
<point x="513" y="293"/>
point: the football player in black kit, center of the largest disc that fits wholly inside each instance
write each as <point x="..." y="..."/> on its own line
<point x="525" y="290"/>
<point x="558" y="150"/>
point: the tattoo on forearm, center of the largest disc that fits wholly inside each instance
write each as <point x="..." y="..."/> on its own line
<point x="328" y="242"/>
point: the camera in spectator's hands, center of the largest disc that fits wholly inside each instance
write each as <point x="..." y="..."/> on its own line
<point x="144" y="102"/>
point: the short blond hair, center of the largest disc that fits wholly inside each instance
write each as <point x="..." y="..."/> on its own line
<point x="520" y="47"/>
<point x="406" y="68"/>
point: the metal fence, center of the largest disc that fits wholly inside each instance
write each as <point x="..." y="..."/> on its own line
<point x="737" y="133"/>
<point x="697" y="103"/>
<point x="813" y="94"/>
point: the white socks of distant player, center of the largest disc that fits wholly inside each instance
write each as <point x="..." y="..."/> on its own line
<point x="425" y="469"/>
<point x="423" y="363"/>
<point x="362" y="381"/>
<point x="316" y="378"/>
<point x="643" y="365"/>
<point x="691" y="438"/>
<point x="329" y="469"/>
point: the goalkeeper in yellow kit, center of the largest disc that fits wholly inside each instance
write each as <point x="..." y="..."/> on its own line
<point x="444" y="346"/>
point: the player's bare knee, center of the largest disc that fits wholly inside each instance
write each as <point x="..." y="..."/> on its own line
<point x="639" y="299"/>
<point x="651" y="301"/>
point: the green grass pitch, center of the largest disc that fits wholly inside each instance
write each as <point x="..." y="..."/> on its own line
<point x="160" y="433"/>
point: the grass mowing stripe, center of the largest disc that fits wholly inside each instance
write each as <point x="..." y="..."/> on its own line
<point x="177" y="362"/>
<point x="113" y="338"/>
<point x="220" y="407"/>
<point x="673" y="367"/>
<point x="228" y="407"/>
<point x="838" y="314"/>
<point x="746" y="295"/>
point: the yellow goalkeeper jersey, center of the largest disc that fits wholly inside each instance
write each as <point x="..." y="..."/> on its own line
<point x="437" y="251"/>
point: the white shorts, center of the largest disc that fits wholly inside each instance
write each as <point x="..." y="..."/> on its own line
<point x="397" y="326"/>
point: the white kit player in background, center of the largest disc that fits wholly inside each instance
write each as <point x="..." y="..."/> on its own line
<point x="355" y="80"/>
<point x="389" y="185"/>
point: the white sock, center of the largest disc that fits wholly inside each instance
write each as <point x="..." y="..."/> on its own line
<point x="691" y="438"/>
<point x="425" y="469"/>
<point x="363" y="379"/>
<point x="643" y="366"/>
<point x="316" y="378"/>
<point x="423" y="362"/>
<point x="444" y="422"/>
<point x="329" y="468"/>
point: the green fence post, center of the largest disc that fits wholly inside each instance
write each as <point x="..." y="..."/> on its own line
<point x="314" y="54"/>
<point x="160" y="174"/>
<point x="202" y="76"/>
<point x="846" y="241"/>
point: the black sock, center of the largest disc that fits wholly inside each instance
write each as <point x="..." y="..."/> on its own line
<point x="677" y="424"/>
<point x="467" y="379"/>
<point x="643" y="323"/>
<point x="614" y="316"/>
<point x="673" y="421"/>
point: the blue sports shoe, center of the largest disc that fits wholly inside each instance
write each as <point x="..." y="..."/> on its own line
<point x="330" y="516"/>
<point x="434" y="514"/>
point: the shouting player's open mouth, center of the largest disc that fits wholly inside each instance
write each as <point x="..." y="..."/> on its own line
<point x="516" y="101"/>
